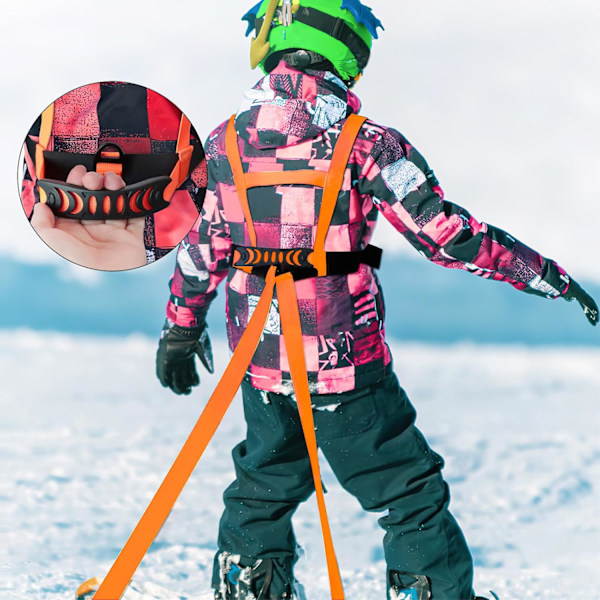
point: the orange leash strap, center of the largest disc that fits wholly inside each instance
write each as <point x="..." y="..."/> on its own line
<point x="292" y="335"/>
<point x="44" y="140"/>
<point x="158" y="510"/>
<point x="160" y="506"/>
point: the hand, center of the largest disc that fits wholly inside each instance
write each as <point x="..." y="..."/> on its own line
<point x="590" y="308"/>
<point x="111" y="245"/>
<point x="175" y="364"/>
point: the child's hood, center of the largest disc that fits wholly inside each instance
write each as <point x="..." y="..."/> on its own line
<point x="287" y="106"/>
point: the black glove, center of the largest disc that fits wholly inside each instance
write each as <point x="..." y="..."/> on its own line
<point x="590" y="308"/>
<point x="175" y="364"/>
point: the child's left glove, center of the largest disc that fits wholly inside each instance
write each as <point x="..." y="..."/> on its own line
<point x="175" y="364"/>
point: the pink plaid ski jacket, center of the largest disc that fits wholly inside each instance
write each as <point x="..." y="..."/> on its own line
<point x="291" y="120"/>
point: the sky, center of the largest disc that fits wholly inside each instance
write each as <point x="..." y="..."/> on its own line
<point x="501" y="98"/>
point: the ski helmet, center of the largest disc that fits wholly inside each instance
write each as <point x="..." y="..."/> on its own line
<point x="338" y="31"/>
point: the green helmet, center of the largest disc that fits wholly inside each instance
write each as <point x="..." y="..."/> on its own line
<point x="339" y="31"/>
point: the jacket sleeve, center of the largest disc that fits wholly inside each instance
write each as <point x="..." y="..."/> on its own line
<point x="202" y="261"/>
<point x="405" y="190"/>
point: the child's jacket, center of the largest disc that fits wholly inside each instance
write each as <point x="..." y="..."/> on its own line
<point x="291" y="120"/>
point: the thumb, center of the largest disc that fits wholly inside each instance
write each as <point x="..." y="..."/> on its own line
<point x="204" y="351"/>
<point x="43" y="217"/>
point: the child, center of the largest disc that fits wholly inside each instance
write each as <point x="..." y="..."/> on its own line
<point x="291" y="121"/>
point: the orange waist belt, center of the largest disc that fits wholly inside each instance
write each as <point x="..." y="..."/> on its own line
<point x="117" y="579"/>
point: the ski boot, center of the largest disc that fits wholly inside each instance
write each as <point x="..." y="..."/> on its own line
<point x="239" y="582"/>
<point x="408" y="586"/>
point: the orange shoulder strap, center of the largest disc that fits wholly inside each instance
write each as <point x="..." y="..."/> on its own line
<point x="239" y="180"/>
<point x="331" y="180"/>
<point x="44" y="140"/>
<point x="333" y="186"/>
<point x="184" y="151"/>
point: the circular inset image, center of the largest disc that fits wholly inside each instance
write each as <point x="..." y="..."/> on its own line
<point x="114" y="176"/>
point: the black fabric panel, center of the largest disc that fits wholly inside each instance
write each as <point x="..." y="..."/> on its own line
<point x="123" y="110"/>
<point x="136" y="167"/>
<point x="552" y="276"/>
<point x="265" y="204"/>
<point x="465" y="246"/>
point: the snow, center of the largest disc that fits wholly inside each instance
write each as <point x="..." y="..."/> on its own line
<point x="87" y="435"/>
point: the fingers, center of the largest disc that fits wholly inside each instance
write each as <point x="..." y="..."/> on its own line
<point x="591" y="313"/>
<point x="76" y="174"/>
<point x="93" y="181"/>
<point x="112" y="181"/>
<point x="183" y="377"/>
<point x="180" y="380"/>
<point x="43" y="217"/>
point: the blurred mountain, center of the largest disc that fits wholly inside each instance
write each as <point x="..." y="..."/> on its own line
<point x="424" y="302"/>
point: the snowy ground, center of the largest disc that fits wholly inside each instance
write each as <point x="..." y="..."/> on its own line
<point x="87" y="434"/>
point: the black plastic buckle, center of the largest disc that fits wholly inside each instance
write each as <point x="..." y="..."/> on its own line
<point x="103" y="155"/>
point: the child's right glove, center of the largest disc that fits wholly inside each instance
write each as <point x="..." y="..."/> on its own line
<point x="175" y="364"/>
<point x="590" y="308"/>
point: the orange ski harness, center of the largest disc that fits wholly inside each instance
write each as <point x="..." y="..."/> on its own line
<point x="276" y="278"/>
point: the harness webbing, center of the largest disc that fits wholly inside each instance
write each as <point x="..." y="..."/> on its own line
<point x="115" y="582"/>
<point x="44" y="140"/>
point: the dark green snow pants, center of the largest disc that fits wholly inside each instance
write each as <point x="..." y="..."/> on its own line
<point x="377" y="454"/>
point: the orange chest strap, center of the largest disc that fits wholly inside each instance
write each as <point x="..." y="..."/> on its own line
<point x="331" y="181"/>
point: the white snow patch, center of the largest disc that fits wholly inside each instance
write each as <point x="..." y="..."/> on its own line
<point x="88" y="433"/>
